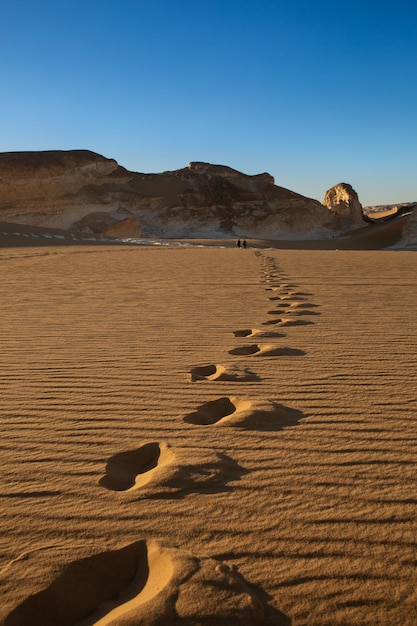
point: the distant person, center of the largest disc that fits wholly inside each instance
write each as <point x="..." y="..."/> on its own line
<point x="244" y="243"/>
<point x="238" y="243"/>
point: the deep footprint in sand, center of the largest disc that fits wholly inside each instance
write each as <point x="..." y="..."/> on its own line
<point x="294" y="321"/>
<point x="132" y="469"/>
<point x="172" y="474"/>
<point x="255" y="332"/>
<point x="300" y="312"/>
<point x="245" y="414"/>
<point x="145" y="583"/>
<point x="222" y="373"/>
<point x="266" y="350"/>
<point x="294" y="312"/>
<point x="287" y="321"/>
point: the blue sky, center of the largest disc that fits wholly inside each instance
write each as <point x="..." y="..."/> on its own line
<point x="315" y="92"/>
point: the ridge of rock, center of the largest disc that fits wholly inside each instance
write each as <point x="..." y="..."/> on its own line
<point x="82" y="190"/>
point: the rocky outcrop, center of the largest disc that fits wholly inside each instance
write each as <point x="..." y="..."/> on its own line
<point x="83" y="191"/>
<point x="343" y="203"/>
<point x="55" y="188"/>
<point x="409" y="233"/>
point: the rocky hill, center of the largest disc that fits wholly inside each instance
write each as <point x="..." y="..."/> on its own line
<point x="343" y="203"/>
<point x="83" y="191"/>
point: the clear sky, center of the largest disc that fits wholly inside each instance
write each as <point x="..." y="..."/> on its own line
<point x="315" y="92"/>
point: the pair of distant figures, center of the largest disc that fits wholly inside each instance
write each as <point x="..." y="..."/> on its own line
<point x="241" y="244"/>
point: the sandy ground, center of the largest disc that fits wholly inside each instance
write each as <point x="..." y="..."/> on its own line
<point x="208" y="436"/>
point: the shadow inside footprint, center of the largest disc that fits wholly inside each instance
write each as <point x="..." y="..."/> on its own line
<point x="124" y="468"/>
<point x="243" y="333"/>
<point x="202" y="372"/>
<point x="210" y="412"/>
<point x="243" y="350"/>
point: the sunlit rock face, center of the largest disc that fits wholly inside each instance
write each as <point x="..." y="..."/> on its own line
<point x="409" y="235"/>
<point x="87" y="192"/>
<point x="343" y="203"/>
<point x="57" y="188"/>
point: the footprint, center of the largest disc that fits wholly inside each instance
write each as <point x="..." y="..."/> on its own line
<point x="94" y="586"/>
<point x="254" y="332"/>
<point x="211" y="412"/>
<point x="288" y="321"/>
<point x="144" y="583"/>
<point x="266" y="350"/>
<point x="189" y="469"/>
<point x="242" y="413"/>
<point x="245" y="350"/>
<point x="132" y="469"/>
<point x="300" y="304"/>
<point x="221" y="373"/>
<point x="295" y="311"/>
<point x="243" y="333"/>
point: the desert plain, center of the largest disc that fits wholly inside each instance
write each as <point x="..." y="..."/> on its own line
<point x="207" y="435"/>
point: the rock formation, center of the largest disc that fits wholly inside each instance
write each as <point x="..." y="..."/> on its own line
<point x="83" y="191"/>
<point x="343" y="202"/>
<point x="409" y="234"/>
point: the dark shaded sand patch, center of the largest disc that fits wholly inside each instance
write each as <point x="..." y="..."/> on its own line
<point x="145" y="583"/>
<point x="245" y="350"/>
<point x="221" y="373"/>
<point x="266" y="350"/>
<point x="243" y="333"/>
<point x="246" y="414"/>
<point x="211" y="412"/>
<point x="133" y="468"/>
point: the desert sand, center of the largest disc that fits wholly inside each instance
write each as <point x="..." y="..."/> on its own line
<point x="208" y="436"/>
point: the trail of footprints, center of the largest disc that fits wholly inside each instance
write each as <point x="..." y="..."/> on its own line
<point x="156" y="470"/>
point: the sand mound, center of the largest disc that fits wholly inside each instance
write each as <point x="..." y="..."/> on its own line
<point x="242" y="413"/>
<point x="155" y="470"/>
<point x="142" y="583"/>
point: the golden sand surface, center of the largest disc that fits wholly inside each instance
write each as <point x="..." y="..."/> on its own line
<point x="208" y="436"/>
